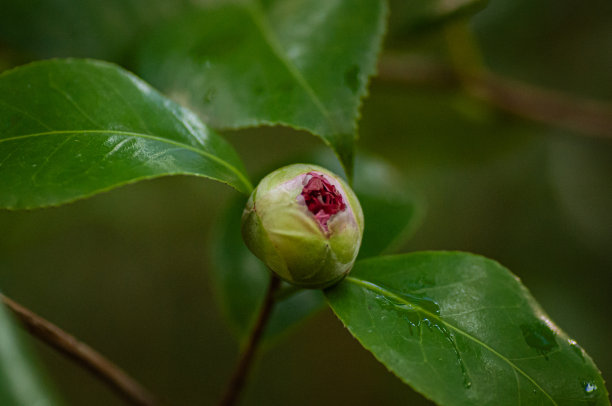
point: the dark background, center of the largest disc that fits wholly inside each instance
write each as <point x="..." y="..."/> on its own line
<point x="127" y="271"/>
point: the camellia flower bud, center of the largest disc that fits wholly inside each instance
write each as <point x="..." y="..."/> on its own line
<point x="305" y="224"/>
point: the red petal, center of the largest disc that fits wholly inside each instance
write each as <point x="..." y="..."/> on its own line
<point x="322" y="199"/>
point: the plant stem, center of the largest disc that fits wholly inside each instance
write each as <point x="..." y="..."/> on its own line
<point x="236" y="383"/>
<point x="585" y="116"/>
<point x="81" y="354"/>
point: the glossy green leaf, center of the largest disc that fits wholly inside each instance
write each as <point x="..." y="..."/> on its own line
<point x="73" y="128"/>
<point x="20" y="381"/>
<point x="462" y="330"/>
<point x="241" y="281"/>
<point x="300" y="63"/>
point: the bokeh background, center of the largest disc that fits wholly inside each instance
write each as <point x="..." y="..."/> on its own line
<point x="128" y="271"/>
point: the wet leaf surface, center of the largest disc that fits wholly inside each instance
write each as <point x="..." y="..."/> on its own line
<point x="72" y="128"/>
<point x="461" y="329"/>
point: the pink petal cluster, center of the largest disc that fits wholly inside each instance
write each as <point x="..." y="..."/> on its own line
<point x="322" y="199"/>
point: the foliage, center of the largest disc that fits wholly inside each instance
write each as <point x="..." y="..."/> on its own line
<point x="456" y="327"/>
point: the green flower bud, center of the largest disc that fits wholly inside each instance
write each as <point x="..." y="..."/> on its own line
<point x="305" y="224"/>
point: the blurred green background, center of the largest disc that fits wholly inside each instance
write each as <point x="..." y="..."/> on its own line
<point x="127" y="271"/>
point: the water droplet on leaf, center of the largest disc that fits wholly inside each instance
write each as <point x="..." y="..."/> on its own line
<point x="421" y="311"/>
<point x="540" y="337"/>
<point x="210" y="94"/>
<point x="590" y="388"/>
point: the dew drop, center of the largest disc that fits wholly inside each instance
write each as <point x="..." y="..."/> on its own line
<point x="590" y="388"/>
<point x="210" y="94"/>
<point x="420" y="311"/>
<point x="540" y="337"/>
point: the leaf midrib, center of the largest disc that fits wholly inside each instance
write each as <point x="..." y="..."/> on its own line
<point x="269" y="37"/>
<point x="140" y="135"/>
<point x="378" y="289"/>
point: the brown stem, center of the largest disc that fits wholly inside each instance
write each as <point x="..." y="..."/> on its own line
<point x="236" y="383"/>
<point x="82" y="354"/>
<point x="585" y="116"/>
<point x="552" y="107"/>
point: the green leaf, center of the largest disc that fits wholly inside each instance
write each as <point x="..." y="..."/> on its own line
<point x="73" y="128"/>
<point x="241" y="280"/>
<point x="300" y="63"/>
<point x="463" y="330"/>
<point x="20" y="381"/>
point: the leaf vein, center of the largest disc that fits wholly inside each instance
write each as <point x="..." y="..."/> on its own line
<point x="72" y="102"/>
<point x="25" y="113"/>
<point x="206" y="154"/>
<point x="123" y="99"/>
<point x="270" y="38"/>
<point x="380" y="290"/>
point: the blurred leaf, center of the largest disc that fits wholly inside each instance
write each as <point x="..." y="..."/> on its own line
<point x="558" y="45"/>
<point x="391" y="209"/>
<point x="407" y="16"/>
<point x="241" y="281"/>
<point x="73" y="128"/>
<point x="90" y="28"/>
<point x="299" y="63"/>
<point x="579" y="171"/>
<point x="20" y="381"/>
<point x="461" y="329"/>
